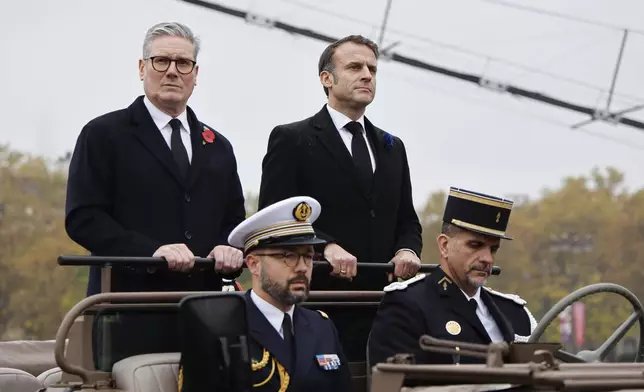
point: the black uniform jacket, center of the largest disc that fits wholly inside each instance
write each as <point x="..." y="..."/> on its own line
<point x="317" y="347"/>
<point x="433" y="305"/>
<point x="309" y="158"/>
<point x="125" y="197"/>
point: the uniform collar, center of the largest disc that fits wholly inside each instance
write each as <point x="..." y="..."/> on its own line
<point x="162" y="119"/>
<point x="274" y="315"/>
<point x="476" y="296"/>
<point x="340" y="119"/>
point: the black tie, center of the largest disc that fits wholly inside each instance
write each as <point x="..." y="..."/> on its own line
<point x="473" y="304"/>
<point x="360" y="152"/>
<point x="289" y="338"/>
<point x="178" y="149"/>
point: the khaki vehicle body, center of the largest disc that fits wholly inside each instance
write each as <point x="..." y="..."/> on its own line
<point x="69" y="363"/>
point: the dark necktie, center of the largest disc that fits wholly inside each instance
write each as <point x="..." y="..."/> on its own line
<point x="473" y="304"/>
<point x="289" y="338"/>
<point x="360" y="153"/>
<point x="178" y="149"/>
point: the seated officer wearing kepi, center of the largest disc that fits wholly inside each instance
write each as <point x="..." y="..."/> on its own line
<point x="452" y="303"/>
<point x="291" y="346"/>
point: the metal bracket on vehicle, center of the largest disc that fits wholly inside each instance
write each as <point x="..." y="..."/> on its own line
<point x="493" y="353"/>
<point x="546" y="361"/>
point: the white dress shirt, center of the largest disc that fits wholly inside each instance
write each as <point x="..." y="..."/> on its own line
<point x="485" y="316"/>
<point x="162" y="121"/>
<point x="274" y="315"/>
<point x="340" y="120"/>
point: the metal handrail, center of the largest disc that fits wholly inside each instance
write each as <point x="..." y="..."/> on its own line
<point x="86" y="303"/>
<point x="142" y="262"/>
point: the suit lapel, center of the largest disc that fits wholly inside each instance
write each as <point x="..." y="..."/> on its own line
<point x="329" y="136"/>
<point x="151" y="138"/>
<point x="457" y="302"/>
<point x="304" y="343"/>
<point x="199" y="152"/>
<point x="264" y="333"/>
<point x="501" y="321"/>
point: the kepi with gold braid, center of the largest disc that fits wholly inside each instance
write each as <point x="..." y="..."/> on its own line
<point x="286" y="223"/>
<point x="478" y="212"/>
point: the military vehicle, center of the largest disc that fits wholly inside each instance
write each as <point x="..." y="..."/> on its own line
<point x="92" y="352"/>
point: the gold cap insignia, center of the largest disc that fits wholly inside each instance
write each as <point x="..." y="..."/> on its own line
<point x="453" y="328"/>
<point x="498" y="216"/>
<point x="302" y="211"/>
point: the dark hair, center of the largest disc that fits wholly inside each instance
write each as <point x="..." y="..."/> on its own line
<point x="326" y="58"/>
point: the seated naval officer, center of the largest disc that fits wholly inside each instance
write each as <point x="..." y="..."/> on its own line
<point x="291" y="346"/>
<point x="452" y="302"/>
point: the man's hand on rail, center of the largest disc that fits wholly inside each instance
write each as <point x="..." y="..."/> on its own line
<point x="178" y="256"/>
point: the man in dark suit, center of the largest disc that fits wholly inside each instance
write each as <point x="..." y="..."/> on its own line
<point x="291" y="347"/>
<point x="358" y="172"/>
<point x="452" y="303"/>
<point x="153" y="180"/>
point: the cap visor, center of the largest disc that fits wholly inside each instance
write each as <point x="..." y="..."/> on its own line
<point x="293" y="241"/>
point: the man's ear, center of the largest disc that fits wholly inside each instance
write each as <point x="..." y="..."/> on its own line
<point x="326" y="78"/>
<point x="252" y="261"/>
<point x="141" y="69"/>
<point x="443" y="244"/>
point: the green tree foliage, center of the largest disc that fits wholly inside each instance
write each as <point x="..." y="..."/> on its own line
<point x="34" y="292"/>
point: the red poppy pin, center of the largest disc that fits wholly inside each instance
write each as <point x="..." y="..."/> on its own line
<point x="208" y="135"/>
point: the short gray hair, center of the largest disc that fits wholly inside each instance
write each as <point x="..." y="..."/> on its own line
<point x="172" y="29"/>
<point x="450" y="229"/>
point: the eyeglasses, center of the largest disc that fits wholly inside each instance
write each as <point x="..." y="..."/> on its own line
<point x="292" y="258"/>
<point x="162" y="64"/>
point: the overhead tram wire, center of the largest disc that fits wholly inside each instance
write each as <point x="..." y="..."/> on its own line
<point x="512" y="111"/>
<point x="601" y="115"/>
<point x="460" y="49"/>
<point x="415" y="63"/>
<point x="562" y="16"/>
<point x="536" y="117"/>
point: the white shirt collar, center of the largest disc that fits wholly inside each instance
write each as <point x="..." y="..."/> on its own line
<point x="340" y="119"/>
<point x="274" y="315"/>
<point x="476" y="296"/>
<point x="162" y="119"/>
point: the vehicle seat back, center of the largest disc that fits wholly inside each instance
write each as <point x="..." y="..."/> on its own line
<point x="34" y="357"/>
<point x="16" y="380"/>
<point x="49" y="377"/>
<point x="147" y="373"/>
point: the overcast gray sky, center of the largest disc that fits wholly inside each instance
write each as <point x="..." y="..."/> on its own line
<point x="67" y="61"/>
